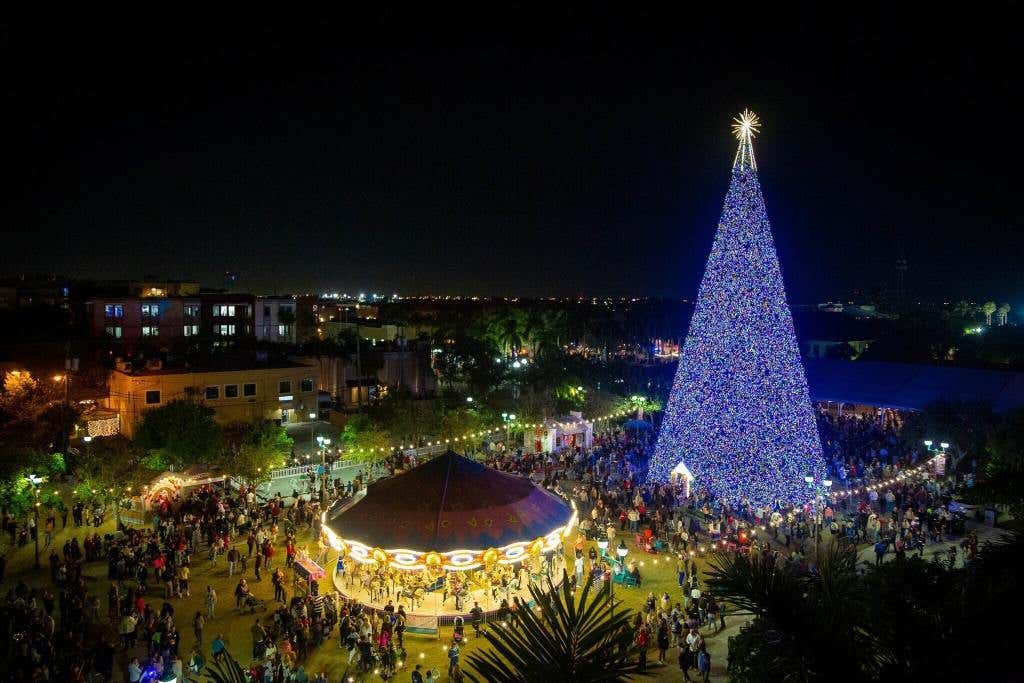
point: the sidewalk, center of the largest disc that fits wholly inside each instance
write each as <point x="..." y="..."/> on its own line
<point x="984" y="532"/>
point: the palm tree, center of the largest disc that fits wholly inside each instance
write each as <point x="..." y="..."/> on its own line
<point x="563" y="638"/>
<point x="227" y="670"/>
<point x="807" y="625"/>
<point x="988" y="308"/>
<point x="1003" y="312"/>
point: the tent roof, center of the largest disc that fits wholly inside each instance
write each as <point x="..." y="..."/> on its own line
<point x="451" y="503"/>
<point x="910" y="386"/>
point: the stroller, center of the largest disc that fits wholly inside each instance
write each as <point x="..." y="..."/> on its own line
<point x="459" y="629"/>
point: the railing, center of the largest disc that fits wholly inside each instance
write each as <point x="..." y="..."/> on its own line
<point x="296" y="470"/>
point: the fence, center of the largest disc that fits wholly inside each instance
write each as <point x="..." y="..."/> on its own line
<point x="297" y="470"/>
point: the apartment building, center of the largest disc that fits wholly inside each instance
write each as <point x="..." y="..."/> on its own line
<point x="150" y="319"/>
<point x="275" y="319"/>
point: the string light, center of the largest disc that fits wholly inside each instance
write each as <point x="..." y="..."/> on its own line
<point x="739" y="415"/>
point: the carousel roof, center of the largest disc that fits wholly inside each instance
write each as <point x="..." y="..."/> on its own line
<point x="450" y="503"/>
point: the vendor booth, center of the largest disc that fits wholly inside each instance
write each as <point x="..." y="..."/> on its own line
<point x="164" y="490"/>
<point x="554" y="434"/>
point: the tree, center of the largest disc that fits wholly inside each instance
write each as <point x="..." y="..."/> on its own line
<point x="226" y="670"/>
<point x="364" y="439"/>
<point x="988" y="308"/>
<point x="17" y="497"/>
<point x="405" y="417"/>
<point x="564" y="638"/>
<point x="259" y="449"/>
<point x="797" y="614"/>
<point x="1003" y="312"/>
<point x="739" y="408"/>
<point x="109" y="465"/>
<point x="1001" y="478"/>
<point x="965" y="426"/>
<point x="32" y="417"/>
<point x="181" y="433"/>
<point x="461" y="421"/>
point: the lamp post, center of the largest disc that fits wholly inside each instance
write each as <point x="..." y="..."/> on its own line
<point x="36" y="481"/>
<point x="621" y="551"/>
<point x="822" y="490"/>
<point x="324" y="444"/>
<point x="312" y="428"/>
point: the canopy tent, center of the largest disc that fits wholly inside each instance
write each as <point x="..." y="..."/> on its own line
<point x="457" y="511"/>
<point x="165" y="487"/>
<point x="554" y="434"/>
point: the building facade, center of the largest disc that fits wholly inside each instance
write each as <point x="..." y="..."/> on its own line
<point x="275" y="319"/>
<point x="283" y="394"/>
<point x="133" y="322"/>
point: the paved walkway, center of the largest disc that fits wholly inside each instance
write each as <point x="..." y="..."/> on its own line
<point x="984" y="532"/>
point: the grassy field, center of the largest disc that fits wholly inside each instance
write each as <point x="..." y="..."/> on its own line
<point x="658" y="573"/>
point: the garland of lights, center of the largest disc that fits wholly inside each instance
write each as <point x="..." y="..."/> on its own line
<point x="469" y="436"/>
<point x="739" y="415"/>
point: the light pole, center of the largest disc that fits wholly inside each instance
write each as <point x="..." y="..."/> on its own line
<point x="621" y="551"/>
<point x="819" y="490"/>
<point x="36" y="481"/>
<point x="324" y="444"/>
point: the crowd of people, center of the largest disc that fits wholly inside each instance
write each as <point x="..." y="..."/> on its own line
<point x="235" y="530"/>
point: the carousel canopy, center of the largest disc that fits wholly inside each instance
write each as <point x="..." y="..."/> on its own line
<point x="451" y="503"/>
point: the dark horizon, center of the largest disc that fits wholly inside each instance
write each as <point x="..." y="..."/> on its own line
<point x="591" y="164"/>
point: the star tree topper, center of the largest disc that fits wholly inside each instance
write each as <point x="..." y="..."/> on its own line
<point x="745" y="127"/>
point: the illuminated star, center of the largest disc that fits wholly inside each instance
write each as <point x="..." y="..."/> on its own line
<point x="746" y="126"/>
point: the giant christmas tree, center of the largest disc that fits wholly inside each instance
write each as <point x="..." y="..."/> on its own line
<point x="739" y="417"/>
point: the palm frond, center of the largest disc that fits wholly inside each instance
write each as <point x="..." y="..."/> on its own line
<point x="562" y="637"/>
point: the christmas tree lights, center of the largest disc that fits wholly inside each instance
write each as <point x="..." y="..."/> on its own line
<point x="739" y="415"/>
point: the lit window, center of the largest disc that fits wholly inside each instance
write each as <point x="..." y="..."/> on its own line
<point x="249" y="389"/>
<point x="307" y="384"/>
<point x="230" y="391"/>
<point x="282" y="330"/>
<point x="191" y="330"/>
<point x="212" y="393"/>
<point x="152" y="397"/>
<point x="224" y="311"/>
<point x="224" y="330"/>
<point x="191" y="310"/>
<point x="115" y="331"/>
<point x="113" y="310"/>
<point x="284" y="387"/>
<point x="150" y="331"/>
<point x="150" y="310"/>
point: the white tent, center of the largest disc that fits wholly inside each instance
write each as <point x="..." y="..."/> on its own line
<point x="682" y="472"/>
<point x="554" y="434"/>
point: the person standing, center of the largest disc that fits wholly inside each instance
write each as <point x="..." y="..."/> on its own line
<point x="232" y="560"/>
<point x="642" y="642"/>
<point x="453" y="657"/>
<point x="198" y="622"/>
<point x="704" y="661"/>
<point x="211" y="602"/>
<point x="681" y="571"/>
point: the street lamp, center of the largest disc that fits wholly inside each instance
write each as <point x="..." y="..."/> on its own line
<point x="36" y="481"/>
<point x="469" y="399"/>
<point x="621" y="551"/>
<point x="324" y="444"/>
<point x="603" y="546"/>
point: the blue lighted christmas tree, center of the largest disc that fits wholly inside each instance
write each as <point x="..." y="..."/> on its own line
<point x="739" y="416"/>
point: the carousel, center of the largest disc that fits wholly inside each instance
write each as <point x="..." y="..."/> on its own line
<point x="449" y="533"/>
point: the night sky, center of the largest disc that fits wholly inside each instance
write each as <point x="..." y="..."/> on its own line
<point x="550" y="158"/>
